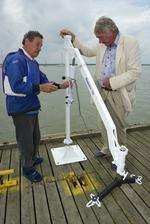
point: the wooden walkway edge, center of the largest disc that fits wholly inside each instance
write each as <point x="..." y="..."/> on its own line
<point x="62" y="195"/>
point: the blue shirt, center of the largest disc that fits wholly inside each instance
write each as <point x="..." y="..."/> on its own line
<point x="108" y="63"/>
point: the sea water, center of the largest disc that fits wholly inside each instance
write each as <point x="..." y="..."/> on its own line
<point x="52" y="114"/>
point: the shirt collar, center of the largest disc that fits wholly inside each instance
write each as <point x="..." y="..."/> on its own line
<point x="24" y="51"/>
<point x="116" y="40"/>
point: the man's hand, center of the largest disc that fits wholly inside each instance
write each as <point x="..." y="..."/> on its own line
<point x="106" y="84"/>
<point x="47" y="87"/>
<point x="65" y="84"/>
<point x="65" y="32"/>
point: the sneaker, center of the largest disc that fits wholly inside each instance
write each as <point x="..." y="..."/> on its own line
<point x="99" y="154"/>
<point x="32" y="174"/>
<point x="37" y="161"/>
<point x="113" y="167"/>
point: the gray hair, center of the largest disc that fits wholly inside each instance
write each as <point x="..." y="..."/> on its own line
<point x="105" y="23"/>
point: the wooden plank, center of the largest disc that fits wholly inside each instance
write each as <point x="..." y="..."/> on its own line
<point x="139" y="148"/>
<point x="80" y="200"/>
<point x="59" y="137"/>
<point x="28" y="214"/>
<point x="5" y="164"/>
<point x="138" y="127"/>
<point x="72" y="213"/>
<point x="138" y="139"/>
<point x="40" y="202"/>
<point x="138" y="165"/>
<point x="41" y="207"/>
<point x="145" y="132"/>
<point x="136" y="200"/>
<point x="1" y="152"/>
<point x="54" y="200"/>
<point x="85" y="167"/>
<point x="145" y="138"/>
<point x="111" y="202"/>
<point x="103" y="214"/>
<point x="60" y="173"/>
<point x="138" y="156"/>
<point x="132" y="201"/>
<point x="142" y="169"/>
<point x="87" y="215"/>
<point x="52" y="138"/>
<point x="132" y="168"/>
<point x="13" y="199"/>
<point x="27" y="202"/>
<point x="121" y="198"/>
<point x="142" y="141"/>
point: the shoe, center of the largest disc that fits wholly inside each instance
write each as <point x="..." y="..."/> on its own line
<point x="113" y="167"/>
<point x="32" y="174"/>
<point x="99" y="154"/>
<point x="37" y="161"/>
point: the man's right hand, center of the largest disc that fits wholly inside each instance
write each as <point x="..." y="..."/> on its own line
<point x="47" y="87"/>
<point x="65" y="32"/>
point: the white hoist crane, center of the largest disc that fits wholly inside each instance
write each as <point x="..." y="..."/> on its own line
<point x="72" y="153"/>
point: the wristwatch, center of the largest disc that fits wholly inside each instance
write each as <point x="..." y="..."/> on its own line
<point x="57" y="84"/>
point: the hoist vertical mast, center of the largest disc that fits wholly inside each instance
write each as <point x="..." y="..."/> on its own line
<point x="68" y="153"/>
<point x="69" y="101"/>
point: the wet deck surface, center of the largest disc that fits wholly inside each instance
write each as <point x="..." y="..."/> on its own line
<point x="62" y="195"/>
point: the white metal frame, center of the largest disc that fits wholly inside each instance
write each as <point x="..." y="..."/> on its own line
<point x="118" y="152"/>
<point x="69" y="153"/>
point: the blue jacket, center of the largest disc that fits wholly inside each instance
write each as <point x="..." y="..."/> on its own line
<point x="21" y="79"/>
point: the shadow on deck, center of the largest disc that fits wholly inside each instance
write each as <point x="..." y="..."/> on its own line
<point x="62" y="195"/>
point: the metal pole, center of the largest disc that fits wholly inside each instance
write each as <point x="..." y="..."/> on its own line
<point x="69" y="100"/>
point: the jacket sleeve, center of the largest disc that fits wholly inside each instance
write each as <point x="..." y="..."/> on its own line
<point x="43" y="78"/>
<point x="133" y="67"/>
<point x="15" y="71"/>
<point x="84" y="50"/>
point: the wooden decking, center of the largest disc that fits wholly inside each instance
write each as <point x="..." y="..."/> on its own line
<point x="62" y="195"/>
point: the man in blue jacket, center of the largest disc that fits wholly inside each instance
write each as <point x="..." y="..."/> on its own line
<point x="22" y="82"/>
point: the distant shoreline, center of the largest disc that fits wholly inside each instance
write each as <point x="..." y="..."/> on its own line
<point x="59" y="64"/>
<point x="87" y="64"/>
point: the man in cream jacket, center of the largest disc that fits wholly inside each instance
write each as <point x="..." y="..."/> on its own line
<point x="117" y="69"/>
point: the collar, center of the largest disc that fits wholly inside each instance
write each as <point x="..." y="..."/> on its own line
<point x="116" y="40"/>
<point x="24" y="51"/>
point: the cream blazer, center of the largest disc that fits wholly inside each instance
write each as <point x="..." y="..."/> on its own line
<point x="128" y="66"/>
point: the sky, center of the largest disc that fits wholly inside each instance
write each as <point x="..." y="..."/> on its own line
<point x="50" y="16"/>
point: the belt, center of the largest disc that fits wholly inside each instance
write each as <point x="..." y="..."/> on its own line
<point x="107" y="89"/>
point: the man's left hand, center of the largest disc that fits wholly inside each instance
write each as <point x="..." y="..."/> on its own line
<point x="65" y="84"/>
<point x="106" y="84"/>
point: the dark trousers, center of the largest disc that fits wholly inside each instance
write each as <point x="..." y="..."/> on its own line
<point x="27" y="136"/>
